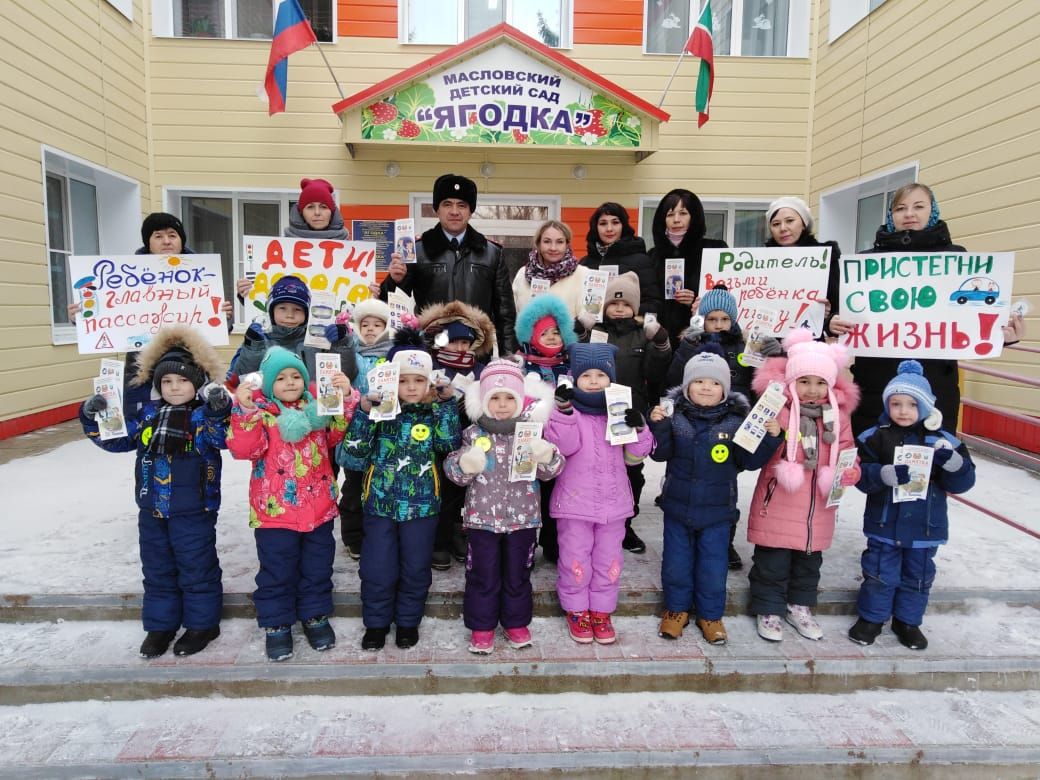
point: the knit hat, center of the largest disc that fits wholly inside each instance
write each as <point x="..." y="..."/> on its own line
<point x="624" y="287"/>
<point x="451" y="185"/>
<point x="160" y="220"/>
<point x="180" y="361"/>
<point x="502" y="376"/>
<point x="585" y="357"/>
<point x="315" y="191"/>
<point x="409" y="352"/>
<point x="707" y="364"/>
<point x="460" y="330"/>
<point x="538" y="330"/>
<point x="276" y="360"/>
<point x="371" y="307"/>
<point x="795" y="204"/>
<point x="718" y="299"/>
<point x="910" y="380"/>
<point x="289" y="289"/>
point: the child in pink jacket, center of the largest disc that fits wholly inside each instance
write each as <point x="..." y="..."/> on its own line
<point x="592" y="497"/>
<point x="292" y="497"/>
<point x="789" y="522"/>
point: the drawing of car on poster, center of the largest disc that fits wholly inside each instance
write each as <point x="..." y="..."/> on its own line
<point x="977" y="289"/>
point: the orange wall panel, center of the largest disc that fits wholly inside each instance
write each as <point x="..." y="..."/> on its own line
<point x="368" y="18"/>
<point x="618" y="22"/>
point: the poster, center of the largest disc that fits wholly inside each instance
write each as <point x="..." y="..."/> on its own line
<point x="330" y="399"/>
<point x="379" y="232"/>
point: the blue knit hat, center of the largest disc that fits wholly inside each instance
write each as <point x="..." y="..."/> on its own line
<point x="588" y="356"/>
<point x="910" y="380"/>
<point x="289" y="289"/>
<point x="718" y="299"/>
<point x="277" y="360"/>
<point x="460" y="330"/>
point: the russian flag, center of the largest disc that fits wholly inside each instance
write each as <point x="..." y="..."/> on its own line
<point x="292" y="32"/>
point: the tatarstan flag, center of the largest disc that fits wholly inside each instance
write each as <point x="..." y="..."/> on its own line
<point x="701" y="45"/>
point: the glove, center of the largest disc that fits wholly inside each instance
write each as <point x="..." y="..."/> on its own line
<point x="335" y="332"/>
<point x="770" y="347"/>
<point x="695" y="329"/>
<point x="948" y="458"/>
<point x="255" y="334"/>
<point x="563" y="397"/>
<point x="895" y="475"/>
<point x="587" y="320"/>
<point x="94" y="404"/>
<point x="444" y="390"/>
<point x="216" y="399"/>
<point x="660" y="337"/>
<point x="634" y="420"/>
<point x="651" y="329"/>
<point x="473" y="461"/>
<point x="368" y="399"/>
<point x="541" y="451"/>
<point x="850" y="477"/>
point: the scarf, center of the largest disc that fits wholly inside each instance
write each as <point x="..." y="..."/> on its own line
<point x="460" y="361"/>
<point x="172" y="432"/>
<point x="297" y="421"/>
<point x="933" y="219"/>
<point x="537" y="268"/>
<point x="807" y="432"/>
<point x="590" y="403"/>
<point x="298" y="227"/>
<point x="603" y="248"/>
<point x="491" y="425"/>
<point x="675" y="236"/>
<point x="532" y="355"/>
<point x="377" y="348"/>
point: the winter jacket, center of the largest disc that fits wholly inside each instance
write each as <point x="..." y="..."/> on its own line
<point x="908" y="521"/>
<point x="594" y="484"/>
<point x="640" y="363"/>
<point x="798" y="520"/>
<point x="732" y="343"/>
<point x="834" y="275"/>
<point x="696" y="442"/>
<point x="398" y="458"/>
<point x="369" y="357"/>
<point x="675" y="316"/>
<point x="291" y="485"/>
<point x="477" y="275"/>
<point x="569" y="289"/>
<point x="873" y="373"/>
<point x="248" y="357"/>
<point x="629" y="254"/>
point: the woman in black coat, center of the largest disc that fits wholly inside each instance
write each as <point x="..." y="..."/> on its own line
<point x="612" y="241"/>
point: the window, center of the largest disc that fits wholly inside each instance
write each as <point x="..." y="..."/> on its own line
<point x="248" y="19"/>
<point x="125" y="7"/>
<point x="452" y="21"/>
<point x="737" y="222"/>
<point x="846" y="14"/>
<point x="851" y="214"/>
<point x="746" y="28"/>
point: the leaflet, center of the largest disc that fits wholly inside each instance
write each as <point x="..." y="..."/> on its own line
<point x="322" y="314"/>
<point x="594" y="293"/>
<point x="330" y="399"/>
<point x="846" y="460"/>
<point x="763" y="321"/>
<point x="919" y="459"/>
<point x="111" y="421"/>
<point x="539" y="286"/>
<point x="674" y="270"/>
<point x="400" y="304"/>
<point x="753" y="429"/>
<point x="404" y="239"/>
<point x="610" y="270"/>
<point x="619" y="401"/>
<point x="112" y="371"/>
<point x="383" y="380"/>
<point x="522" y="467"/>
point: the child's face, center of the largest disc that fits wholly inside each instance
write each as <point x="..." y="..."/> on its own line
<point x="618" y="310"/>
<point x="459" y="345"/>
<point x="176" y="390"/>
<point x="502" y="406"/>
<point x="369" y="329"/>
<point x="288" y="315"/>
<point x="317" y="215"/>
<point x="592" y="380"/>
<point x="704" y="392"/>
<point x="288" y="385"/>
<point x="811" y="389"/>
<point x="165" y="242"/>
<point x="902" y="409"/>
<point x="717" y="322"/>
<point x="412" y="388"/>
<point x="551" y="337"/>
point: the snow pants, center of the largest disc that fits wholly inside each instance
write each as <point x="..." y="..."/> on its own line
<point x="780" y="577"/>
<point x="295" y="577"/>
<point x="498" y="579"/>
<point x="589" y="569"/>
<point x="395" y="570"/>
<point x="694" y="565"/>
<point x="896" y="582"/>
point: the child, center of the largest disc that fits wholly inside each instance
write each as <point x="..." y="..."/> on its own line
<point x="460" y="338"/>
<point x="902" y="538"/>
<point x="402" y="493"/>
<point x="592" y="497"/>
<point x="643" y="357"/>
<point x="501" y="516"/>
<point x="699" y="497"/>
<point x="316" y="215"/>
<point x="371" y="344"/>
<point x="292" y="498"/>
<point x="178" y="439"/>
<point x="789" y="522"/>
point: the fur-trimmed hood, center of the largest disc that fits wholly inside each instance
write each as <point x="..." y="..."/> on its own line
<point x="178" y="336"/>
<point x="538" y="400"/>
<point x="539" y="307"/>
<point x="435" y="317"/>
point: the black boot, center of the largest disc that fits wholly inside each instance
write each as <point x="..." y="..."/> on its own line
<point x="632" y="542"/>
<point x="194" y="640"/>
<point x="864" y="632"/>
<point x="909" y="636"/>
<point x="156" y="643"/>
<point x="459" y="545"/>
<point x="735" y="564"/>
<point x="319" y="633"/>
<point x="407" y="636"/>
<point x="374" y="638"/>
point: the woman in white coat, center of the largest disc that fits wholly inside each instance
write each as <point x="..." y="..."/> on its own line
<point x="553" y="261"/>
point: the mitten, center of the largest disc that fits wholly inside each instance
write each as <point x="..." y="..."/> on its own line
<point x="850" y="476"/>
<point x="947" y="458"/>
<point x="255" y="334"/>
<point x="368" y="399"/>
<point x="895" y="475"/>
<point x="335" y="332"/>
<point x="473" y="460"/>
<point x="94" y="404"/>
<point x="633" y="419"/>
<point x="563" y="397"/>
<point x="651" y="329"/>
<point x="541" y="451"/>
<point x="587" y="320"/>
<point x="769" y="346"/>
<point x="444" y="390"/>
<point x="216" y="399"/>
<point x="660" y="337"/>
<point x="695" y="329"/>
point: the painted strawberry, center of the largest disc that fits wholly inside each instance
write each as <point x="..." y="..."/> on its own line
<point x="409" y="129"/>
<point x="520" y="138"/>
<point x="382" y="113"/>
<point x="472" y="119"/>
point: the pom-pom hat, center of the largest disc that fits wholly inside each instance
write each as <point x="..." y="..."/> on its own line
<point x="718" y="299"/>
<point x="276" y="360"/>
<point x="910" y="380"/>
<point x="315" y="191"/>
<point x="409" y="352"/>
<point x="289" y="289"/>
<point x="502" y="376"/>
<point x="707" y="364"/>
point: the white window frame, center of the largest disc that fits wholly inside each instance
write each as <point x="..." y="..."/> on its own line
<point x="797" y="30"/>
<point x="119" y="216"/>
<point x="162" y="21"/>
<point x="125" y="7"/>
<point x="846" y="14"/>
<point x="566" y="26"/>
<point x="838" y="205"/>
<point x="487" y="227"/>
<point x="729" y="205"/>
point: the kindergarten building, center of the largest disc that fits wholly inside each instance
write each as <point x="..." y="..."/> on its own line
<point x="115" y="108"/>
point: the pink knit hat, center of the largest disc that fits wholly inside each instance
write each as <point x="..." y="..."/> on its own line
<point x="501" y="376"/>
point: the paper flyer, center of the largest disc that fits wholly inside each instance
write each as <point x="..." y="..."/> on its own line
<point x="598" y="337"/>
<point x="667" y="405"/>
<point x="112" y="371"/>
<point x="400" y="304"/>
<point x="404" y="239"/>
<point x="111" y="422"/>
<point x="322" y="314"/>
<point x="753" y="429"/>
<point x="619" y="401"/>
<point x="539" y="286"/>
<point x="763" y="321"/>
<point x="610" y="270"/>
<point x="674" y="269"/>
<point x="522" y="467"/>
<point x="594" y="293"/>
<point x="383" y="379"/>
<point x="330" y="399"/>
<point x="846" y="460"/>
<point x="919" y="459"/>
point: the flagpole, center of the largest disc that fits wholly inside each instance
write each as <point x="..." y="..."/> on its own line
<point x="672" y="77"/>
<point x="327" y="65"/>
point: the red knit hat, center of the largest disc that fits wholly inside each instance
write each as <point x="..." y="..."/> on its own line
<point x="540" y="326"/>
<point x="315" y="191"/>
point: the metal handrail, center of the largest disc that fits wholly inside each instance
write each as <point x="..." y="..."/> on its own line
<point x="972" y="366"/>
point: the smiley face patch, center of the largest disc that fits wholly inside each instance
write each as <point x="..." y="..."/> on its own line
<point x="720" y="453"/>
<point x="420" y="432"/>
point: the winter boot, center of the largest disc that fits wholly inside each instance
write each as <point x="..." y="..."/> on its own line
<point x="801" y="617"/>
<point x="441" y="560"/>
<point x="459" y="545"/>
<point x="672" y="624"/>
<point x="482" y="642"/>
<point x="602" y="629"/>
<point x="354" y="551"/>
<point x="580" y="626"/>
<point x="279" y="642"/>
<point x="374" y="638"/>
<point x="713" y="630"/>
<point x="407" y="636"/>
<point x="519" y="637"/>
<point x="863" y="632"/>
<point x="156" y="643"/>
<point x="909" y="636"/>
<point x="319" y="633"/>
<point x="770" y="627"/>
<point x="194" y="640"/>
<point x="632" y="542"/>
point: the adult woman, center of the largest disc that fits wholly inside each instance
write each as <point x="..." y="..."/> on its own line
<point x="679" y="229"/>
<point x="790" y="223"/>
<point x="913" y="225"/>
<point x="551" y="259"/>
<point x="612" y="241"/>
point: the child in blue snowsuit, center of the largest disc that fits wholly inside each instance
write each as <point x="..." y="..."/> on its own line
<point x="178" y="439"/>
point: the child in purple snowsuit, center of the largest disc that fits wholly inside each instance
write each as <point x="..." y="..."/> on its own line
<point x="592" y="497"/>
<point x="501" y="516"/>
